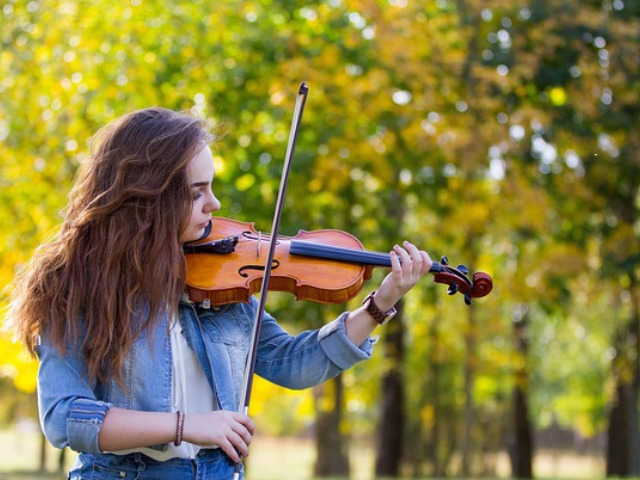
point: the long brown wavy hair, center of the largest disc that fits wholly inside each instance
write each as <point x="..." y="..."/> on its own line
<point x="118" y="252"/>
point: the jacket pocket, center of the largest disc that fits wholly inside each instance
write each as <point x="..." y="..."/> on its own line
<point x="105" y="467"/>
<point x="106" y="473"/>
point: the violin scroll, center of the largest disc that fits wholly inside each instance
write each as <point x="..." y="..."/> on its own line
<point x="458" y="281"/>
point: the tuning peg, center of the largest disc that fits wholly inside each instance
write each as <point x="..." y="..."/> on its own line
<point x="453" y="288"/>
<point x="444" y="260"/>
<point x="463" y="268"/>
<point x="467" y="297"/>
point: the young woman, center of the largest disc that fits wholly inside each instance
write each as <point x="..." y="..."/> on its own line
<point x="133" y="376"/>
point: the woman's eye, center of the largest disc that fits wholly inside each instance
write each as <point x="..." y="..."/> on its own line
<point x="196" y="195"/>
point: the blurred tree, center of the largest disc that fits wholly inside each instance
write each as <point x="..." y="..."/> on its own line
<point x="585" y="146"/>
<point x="522" y="452"/>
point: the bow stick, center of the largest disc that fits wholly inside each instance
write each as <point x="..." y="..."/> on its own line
<point x="243" y="406"/>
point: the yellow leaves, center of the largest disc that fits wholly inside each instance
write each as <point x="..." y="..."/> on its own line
<point x="314" y="185"/>
<point x="219" y="164"/>
<point x="245" y="182"/>
<point x="325" y="397"/>
<point x="278" y="97"/>
<point x="579" y="409"/>
<point x="427" y="416"/>
<point x="16" y="364"/>
<point x="6" y="58"/>
<point x="558" y="96"/>
<point x="470" y="209"/>
<point x="486" y="387"/>
<point x="332" y="173"/>
<point x="474" y="215"/>
<point x="25" y="378"/>
<point x="565" y="260"/>
<point x="622" y="244"/>
<point x="278" y="410"/>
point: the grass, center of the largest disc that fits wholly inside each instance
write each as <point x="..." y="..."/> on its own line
<point x="277" y="458"/>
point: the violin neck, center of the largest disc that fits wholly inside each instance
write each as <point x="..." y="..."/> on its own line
<point x="341" y="254"/>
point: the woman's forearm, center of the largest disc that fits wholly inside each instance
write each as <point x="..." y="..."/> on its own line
<point x="407" y="268"/>
<point x="123" y="429"/>
<point x="359" y="325"/>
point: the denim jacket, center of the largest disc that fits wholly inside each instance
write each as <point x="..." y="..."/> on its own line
<point x="72" y="408"/>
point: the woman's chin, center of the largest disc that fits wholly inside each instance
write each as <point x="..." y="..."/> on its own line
<point x="192" y="237"/>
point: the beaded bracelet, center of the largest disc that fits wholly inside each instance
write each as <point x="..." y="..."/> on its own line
<point x="179" y="428"/>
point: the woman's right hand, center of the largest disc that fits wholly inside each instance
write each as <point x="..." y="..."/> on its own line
<point x="231" y="431"/>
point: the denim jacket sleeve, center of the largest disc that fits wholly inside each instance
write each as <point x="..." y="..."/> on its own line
<point x="70" y="414"/>
<point x="309" y="358"/>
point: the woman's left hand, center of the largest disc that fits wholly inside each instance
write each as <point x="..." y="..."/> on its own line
<point x="408" y="266"/>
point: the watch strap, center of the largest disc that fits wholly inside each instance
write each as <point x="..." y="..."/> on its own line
<point x="378" y="315"/>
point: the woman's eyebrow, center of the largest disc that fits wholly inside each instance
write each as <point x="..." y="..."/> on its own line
<point x="200" y="184"/>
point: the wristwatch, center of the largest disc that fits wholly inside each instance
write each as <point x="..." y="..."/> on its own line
<point x="375" y="312"/>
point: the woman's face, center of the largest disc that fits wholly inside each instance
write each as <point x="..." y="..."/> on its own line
<point x="200" y="173"/>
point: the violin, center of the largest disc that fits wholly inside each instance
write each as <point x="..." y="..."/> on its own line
<point x="326" y="266"/>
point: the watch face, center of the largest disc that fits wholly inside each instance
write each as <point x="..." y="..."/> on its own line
<point x="392" y="314"/>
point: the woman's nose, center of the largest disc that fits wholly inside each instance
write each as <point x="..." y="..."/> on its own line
<point x="213" y="204"/>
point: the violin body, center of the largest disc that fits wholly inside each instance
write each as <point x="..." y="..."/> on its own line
<point x="235" y="276"/>
<point x="326" y="266"/>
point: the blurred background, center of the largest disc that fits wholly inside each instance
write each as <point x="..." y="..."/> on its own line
<point x="504" y="135"/>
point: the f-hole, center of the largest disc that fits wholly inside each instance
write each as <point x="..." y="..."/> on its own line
<point x="241" y="271"/>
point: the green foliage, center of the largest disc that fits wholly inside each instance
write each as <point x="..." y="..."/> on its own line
<point x="504" y="136"/>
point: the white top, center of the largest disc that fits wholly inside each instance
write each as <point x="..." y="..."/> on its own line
<point x="186" y="371"/>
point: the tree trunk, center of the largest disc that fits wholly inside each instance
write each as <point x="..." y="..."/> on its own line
<point x="634" y="413"/>
<point x="391" y="424"/>
<point x="332" y="457"/>
<point x="618" y="434"/>
<point x="434" y="364"/>
<point x="62" y="459"/>
<point x="469" y="403"/>
<point x="43" y="453"/>
<point x="522" y="448"/>
<point x="623" y="447"/>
